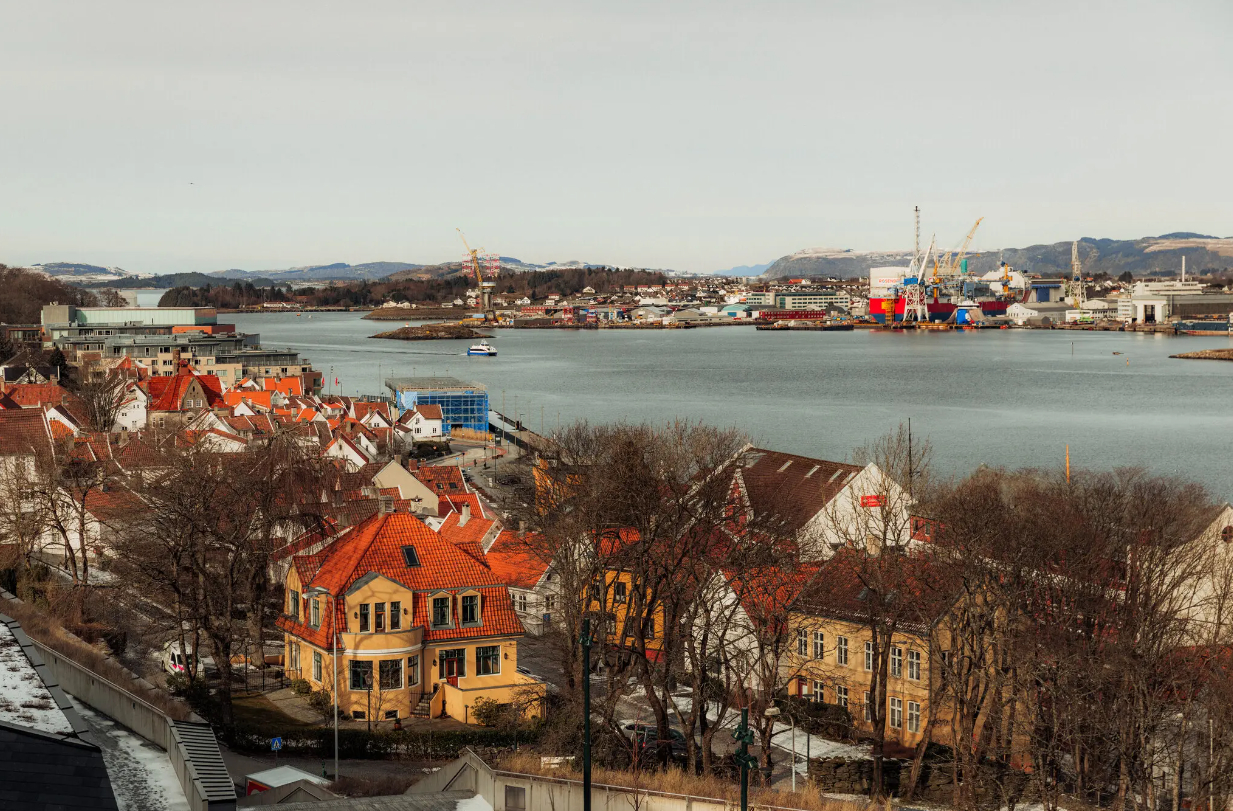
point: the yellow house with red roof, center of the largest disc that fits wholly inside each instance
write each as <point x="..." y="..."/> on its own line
<point x="424" y="627"/>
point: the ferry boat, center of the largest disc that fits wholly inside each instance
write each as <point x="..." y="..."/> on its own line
<point x="483" y="348"/>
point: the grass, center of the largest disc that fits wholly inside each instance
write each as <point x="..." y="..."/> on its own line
<point x="258" y="712"/>
<point x="45" y="629"/>
<point x="678" y="781"/>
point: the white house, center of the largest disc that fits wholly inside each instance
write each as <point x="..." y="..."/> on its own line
<point x="425" y="422"/>
<point x="133" y="409"/>
<point x="342" y="447"/>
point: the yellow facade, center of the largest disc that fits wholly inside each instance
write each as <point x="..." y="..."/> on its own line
<point x="614" y="599"/>
<point x="404" y="667"/>
<point x="828" y="661"/>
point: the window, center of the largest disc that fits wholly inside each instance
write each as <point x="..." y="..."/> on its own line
<point x="295" y="657"/>
<point x="293" y="604"/>
<point x="841" y="696"/>
<point x="364" y="618"/>
<point x="361" y="675"/>
<point x="649" y="626"/>
<point x="316" y="666"/>
<point x="470" y="609"/>
<point x="595" y="591"/>
<point x="379" y="617"/>
<point x="389" y="671"/>
<point x="488" y="660"/>
<point x="521" y="602"/>
<point x="819" y="691"/>
<point x="618" y="592"/>
<point x="914" y="665"/>
<point x="452" y="663"/>
<point x="391" y="715"/>
<point x="395" y="615"/>
<point x="819" y="644"/>
<point x="869" y="656"/>
<point x="802" y="642"/>
<point x="413" y="671"/>
<point x="409" y="557"/>
<point x="515" y="798"/>
<point x="913" y="716"/>
<point x="896" y="662"/>
<point x="315" y="610"/>
<point x="440" y="611"/>
<point x="841" y="650"/>
<point x="550" y="602"/>
<point x="359" y="715"/>
<point x="896" y="713"/>
<point x="868" y="706"/>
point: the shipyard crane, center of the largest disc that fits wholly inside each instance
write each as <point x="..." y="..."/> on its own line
<point x="485" y="288"/>
<point x="950" y="265"/>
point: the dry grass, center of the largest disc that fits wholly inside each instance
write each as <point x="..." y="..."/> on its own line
<point x="678" y="781"/>
<point x="45" y="629"/>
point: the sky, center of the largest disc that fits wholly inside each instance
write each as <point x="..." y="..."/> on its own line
<point x="171" y="137"/>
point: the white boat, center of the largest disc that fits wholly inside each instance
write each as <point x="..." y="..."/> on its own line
<point x="483" y="348"/>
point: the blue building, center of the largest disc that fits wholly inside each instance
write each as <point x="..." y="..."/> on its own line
<point x="463" y="405"/>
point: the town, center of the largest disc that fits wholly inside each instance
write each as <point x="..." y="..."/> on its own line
<point x="414" y="577"/>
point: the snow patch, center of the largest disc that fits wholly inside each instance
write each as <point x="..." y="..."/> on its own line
<point x="24" y="699"/>
<point x="141" y="773"/>
<point x="476" y="803"/>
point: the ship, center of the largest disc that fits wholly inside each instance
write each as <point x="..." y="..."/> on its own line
<point x="483" y="348"/>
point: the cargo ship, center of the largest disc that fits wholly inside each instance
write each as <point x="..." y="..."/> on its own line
<point x="1204" y="326"/>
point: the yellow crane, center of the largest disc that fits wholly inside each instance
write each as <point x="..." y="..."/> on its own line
<point x="950" y="265"/>
<point x="485" y="288"/>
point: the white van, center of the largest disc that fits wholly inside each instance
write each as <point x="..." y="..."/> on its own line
<point x="175" y="660"/>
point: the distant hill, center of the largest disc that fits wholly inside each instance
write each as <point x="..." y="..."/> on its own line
<point x="177" y="280"/>
<point x="321" y="273"/>
<point x="744" y="270"/>
<point x="1148" y="256"/>
<point x="81" y="273"/>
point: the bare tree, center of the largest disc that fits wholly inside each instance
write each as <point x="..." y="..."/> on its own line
<point x="102" y="396"/>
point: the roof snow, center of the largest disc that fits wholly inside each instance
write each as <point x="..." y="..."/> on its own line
<point x="24" y="699"/>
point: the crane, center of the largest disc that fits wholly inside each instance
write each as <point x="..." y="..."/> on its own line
<point x="950" y="265"/>
<point x="484" y="287"/>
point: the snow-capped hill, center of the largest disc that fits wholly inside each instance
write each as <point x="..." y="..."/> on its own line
<point x="81" y="273"/>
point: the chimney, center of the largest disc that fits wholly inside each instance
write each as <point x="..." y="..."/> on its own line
<point x="466" y="515"/>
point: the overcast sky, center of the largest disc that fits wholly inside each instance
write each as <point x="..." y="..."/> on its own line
<point x="166" y="137"/>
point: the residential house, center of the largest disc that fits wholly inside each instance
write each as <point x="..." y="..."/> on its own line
<point x="421" y="626"/>
<point x="344" y="448"/>
<point x="395" y="476"/>
<point x="133" y="413"/>
<point x="534" y="588"/>
<point x="176" y="399"/>
<point x="425" y="422"/>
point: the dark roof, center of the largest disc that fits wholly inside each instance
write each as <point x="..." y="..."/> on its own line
<point x="39" y="771"/>
<point x="795" y="488"/>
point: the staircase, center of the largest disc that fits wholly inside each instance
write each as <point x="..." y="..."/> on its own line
<point x="424" y="708"/>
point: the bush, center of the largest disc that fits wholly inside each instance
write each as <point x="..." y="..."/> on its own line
<point x="818" y="718"/>
<point x="322" y="701"/>
<point x="301" y="687"/>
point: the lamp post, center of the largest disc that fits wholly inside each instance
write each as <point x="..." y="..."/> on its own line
<point x="745" y="735"/>
<point x="585" y="642"/>
<point x="317" y="592"/>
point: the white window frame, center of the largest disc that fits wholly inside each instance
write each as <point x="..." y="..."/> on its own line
<point x="913" y="716"/>
<point x="869" y="656"/>
<point x="914" y="665"/>
<point x="802" y="642"/>
<point x="317" y="662"/>
<point x="819" y="645"/>
<point x="841" y="695"/>
<point x="896" y="662"/>
<point x="819" y="690"/>
<point x="895" y="713"/>
<point x="841" y="650"/>
<point x="868" y="707"/>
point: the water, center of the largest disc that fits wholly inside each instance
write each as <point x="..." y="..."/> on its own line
<point x="996" y="397"/>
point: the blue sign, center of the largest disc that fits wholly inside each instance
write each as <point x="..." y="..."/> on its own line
<point x="276" y="744"/>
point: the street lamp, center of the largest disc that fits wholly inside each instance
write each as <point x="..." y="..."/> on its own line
<point x="318" y="592"/>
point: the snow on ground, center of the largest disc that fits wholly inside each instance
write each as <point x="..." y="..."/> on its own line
<point x="141" y="773"/>
<point x="24" y="699"/>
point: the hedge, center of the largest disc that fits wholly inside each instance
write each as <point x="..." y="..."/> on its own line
<point x="360" y="743"/>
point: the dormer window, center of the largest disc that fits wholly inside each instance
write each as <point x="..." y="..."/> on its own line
<point x="409" y="557"/>
<point x="470" y="609"/>
<point x="441" y="612"/>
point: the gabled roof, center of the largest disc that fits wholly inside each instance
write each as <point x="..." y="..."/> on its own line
<point x="443" y="479"/>
<point x="363" y="408"/>
<point x="31" y="395"/>
<point x="286" y="385"/>
<point x="261" y="399"/>
<point x="473" y="531"/>
<point x="167" y="392"/>
<point x="511" y="559"/>
<point x="795" y="488"/>
<point x="24" y="431"/>
<point x="447" y="502"/>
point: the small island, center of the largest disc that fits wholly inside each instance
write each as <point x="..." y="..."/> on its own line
<point x="1206" y="354"/>
<point x="431" y="332"/>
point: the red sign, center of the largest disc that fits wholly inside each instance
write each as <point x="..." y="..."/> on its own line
<point x="873" y="501"/>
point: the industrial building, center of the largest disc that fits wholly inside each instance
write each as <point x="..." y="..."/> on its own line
<point x="463" y="405"/>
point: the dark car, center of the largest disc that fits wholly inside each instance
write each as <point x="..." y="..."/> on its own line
<point x="645" y="738"/>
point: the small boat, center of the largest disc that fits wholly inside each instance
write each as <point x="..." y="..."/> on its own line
<point x="483" y="348"/>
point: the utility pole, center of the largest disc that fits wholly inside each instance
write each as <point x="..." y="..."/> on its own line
<point x="585" y="642"/>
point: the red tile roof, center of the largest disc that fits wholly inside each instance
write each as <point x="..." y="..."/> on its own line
<point x="376" y="546"/>
<point x="429" y="411"/>
<point x="362" y="409"/>
<point x="472" y="532"/>
<point x="167" y="391"/>
<point x="441" y="479"/>
<point x="454" y="501"/>
<point x="286" y="385"/>
<point x="30" y="395"/>
<point x="24" y="431"/>
<point x="261" y="399"/>
<point x="513" y="559"/>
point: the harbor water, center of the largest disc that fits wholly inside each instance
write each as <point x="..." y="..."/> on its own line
<point x="1013" y="398"/>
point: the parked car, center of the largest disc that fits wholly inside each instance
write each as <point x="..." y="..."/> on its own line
<point x="645" y="738"/>
<point x="175" y="659"/>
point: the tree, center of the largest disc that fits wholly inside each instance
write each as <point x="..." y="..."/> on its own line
<point x="1126" y="278"/>
<point x="103" y="397"/>
<point x="110" y="297"/>
<point x="60" y="363"/>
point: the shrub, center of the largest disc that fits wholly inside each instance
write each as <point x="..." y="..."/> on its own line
<point x="301" y="687"/>
<point x="487" y="712"/>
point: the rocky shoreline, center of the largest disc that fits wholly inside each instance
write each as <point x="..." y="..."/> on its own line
<point x="431" y="332"/>
<point x="1206" y="354"/>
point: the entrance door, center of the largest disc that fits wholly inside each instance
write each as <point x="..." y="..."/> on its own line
<point x="453" y="664"/>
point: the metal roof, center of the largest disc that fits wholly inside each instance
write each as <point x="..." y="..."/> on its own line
<point x="430" y="384"/>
